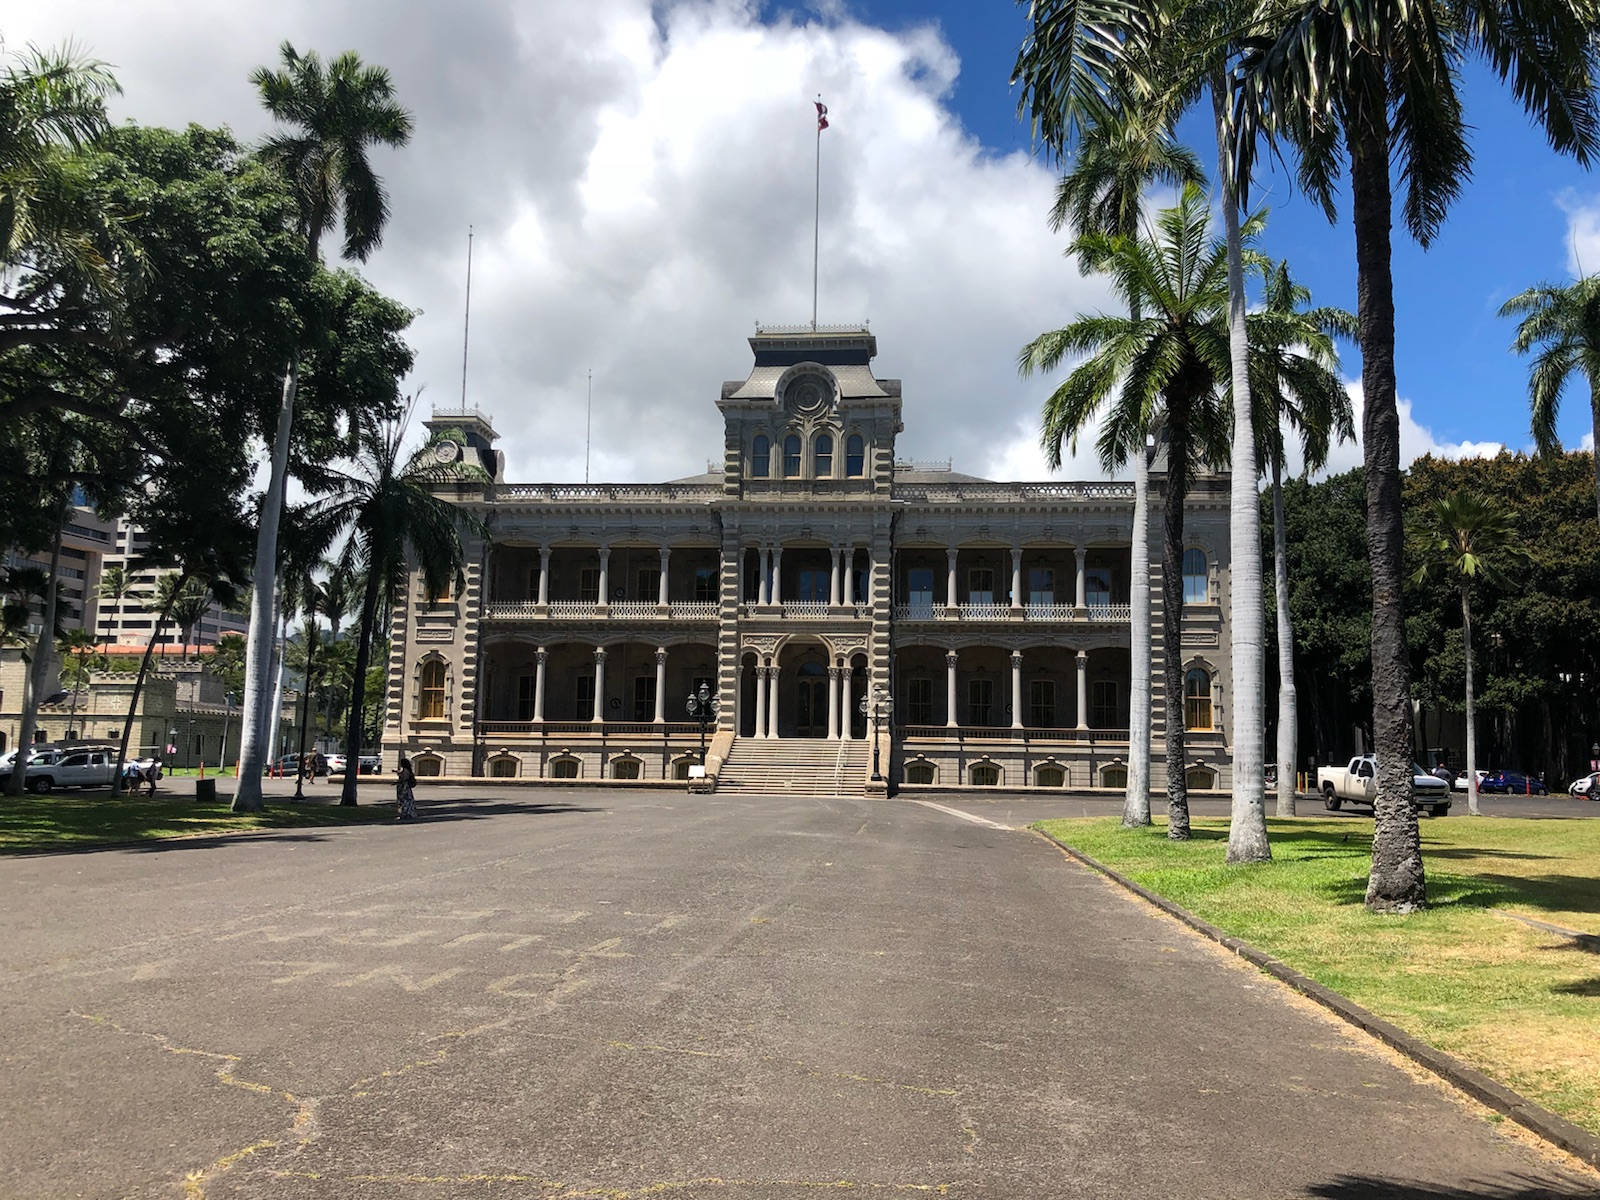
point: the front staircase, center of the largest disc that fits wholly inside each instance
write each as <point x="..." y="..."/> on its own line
<point x="794" y="767"/>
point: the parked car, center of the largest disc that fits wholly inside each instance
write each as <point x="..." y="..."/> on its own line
<point x="335" y="763"/>
<point x="1460" y="784"/>
<point x="1587" y="786"/>
<point x="1512" y="783"/>
<point x="87" y="766"/>
<point x="1357" y="783"/>
<point x="371" y="764"/>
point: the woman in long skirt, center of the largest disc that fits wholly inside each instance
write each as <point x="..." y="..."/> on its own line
<point x="405" y="791"/>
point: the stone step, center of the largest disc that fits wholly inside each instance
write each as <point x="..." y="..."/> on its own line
<point x="793" y="766"/>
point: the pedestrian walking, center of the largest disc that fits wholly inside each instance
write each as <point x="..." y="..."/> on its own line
<point x="405" y="791"/>
<point x="152" y="775"/>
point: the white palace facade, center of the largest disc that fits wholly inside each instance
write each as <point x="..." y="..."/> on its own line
<point x="985" y="625"/>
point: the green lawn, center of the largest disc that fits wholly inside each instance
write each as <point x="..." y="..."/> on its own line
<point x="1520" y="1003"/>
<point x="60" y="821"/>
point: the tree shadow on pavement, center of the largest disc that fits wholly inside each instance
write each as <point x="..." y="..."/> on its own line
<point x="471" y="810"/>
<point x="1520" y="1187"/>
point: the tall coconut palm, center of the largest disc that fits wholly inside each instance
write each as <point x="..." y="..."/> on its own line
<point x="81" y="650"/>
<point x="389" y="502"/>
<point x="116" y="585"/>
<point x="1081" y="58"/>
<point x="1464" y="537"/>
<point x="193" y="601"/>
<point x="332" y="114"/>
<point x="1294" y="380"/>
<point x="1564" y="322"/>
<point x="1114" y="164"/>
<point x="1374" y="82"/>
<point x="1168" y="366"/>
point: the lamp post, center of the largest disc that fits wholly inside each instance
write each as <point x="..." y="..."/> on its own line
<point x="702" y="706"/>
<point x="881" y="708"/>
<point x="172" y="745"/>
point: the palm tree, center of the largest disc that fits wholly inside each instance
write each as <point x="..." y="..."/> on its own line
<point x="1166" y="368"/>
<point x="1294" y="369"/>
<point x="1086" y="56"/>
<point x="333" y="114"/>
<point x="115" y="585"/>
<point x="389" y="503"/>
<point x="192" y="602"/>
<point x="82" y="649"/>
<point x="1115" y="162"/>
<point x="1374" y="81"/>
<point x="1464" y="537"/>
<point x="1565" y="323"/>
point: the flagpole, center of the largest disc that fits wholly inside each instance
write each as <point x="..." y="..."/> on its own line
<point x="816" y="217"/>
<point x="466" y="322"/>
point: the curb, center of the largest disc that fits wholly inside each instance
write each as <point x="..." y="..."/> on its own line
<point x="1554" y="1129"/>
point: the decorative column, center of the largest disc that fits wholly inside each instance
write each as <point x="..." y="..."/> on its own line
<point x="849" y="583"/>
<point x="605" y="576"/>
<point x="1083" y="689"/>
<point x="835" y="593"/>
<point x="1081" y="553"/>
<point x="1017" y="598"/>
<point x="846" y="730"/>
<point x="666" y="556"/>
<point x="761" y="701"/>
<point x="833" y="704"/>
<point x="772" y="701"/>
<point x="950" y="579"/>
<point x="763" y="576"/>
<point x="1016" y="689"/>
<point x="950" y="661"/>
<point x="777" y="575"/>
<point x="661" y="685"/>
<point x="871" y="567"/>
<point x="544" y="576"/>
<point x="539" y="657"/>
<point x="599" y="680"/>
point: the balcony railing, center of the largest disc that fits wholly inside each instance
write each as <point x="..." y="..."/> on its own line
<point x="638" y="492"/>
<point x="630" y="610"/>
<point x="1103" y="613"/>
<point x="1001" y="733"/>
<point x="957" y="493"/>
<point x="566" y="729"/>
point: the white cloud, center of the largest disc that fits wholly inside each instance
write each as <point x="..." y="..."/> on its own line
<point x="640" y="180"/>
<point x="1583" y="233"/>
<point x="1416" y="439"/>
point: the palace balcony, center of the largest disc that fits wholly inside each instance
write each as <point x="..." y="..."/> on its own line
<point x="960" y="734"/>
<point x="677" y="612"/>
<point x="1094" y="614"/>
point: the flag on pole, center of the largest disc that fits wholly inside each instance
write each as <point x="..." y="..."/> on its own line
<point x="822" y="115"/>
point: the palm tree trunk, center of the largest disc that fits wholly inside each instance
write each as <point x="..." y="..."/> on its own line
<point x="305" y="710"/>
<point x="281" y="623"/>
<point x="1247" y="826"/>
<point x="1177" y="483"/>
<point x="38" y="671"/>
<point x="1472" y="732"/>
<point x="1136" y="808"/>
<point x="1288" y="698"/>
<point x="258" y="646"/>
<point x="358" y="687"/>
<point x="1594" y="414"/>
<point x="138" y="687"/>
<point x="1397" y="883"/>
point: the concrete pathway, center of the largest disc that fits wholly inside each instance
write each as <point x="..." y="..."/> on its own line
<point x="579" y="994"/>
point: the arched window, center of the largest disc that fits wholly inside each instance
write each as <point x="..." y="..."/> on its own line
<point x="1197" y="699"/>
<point x="791" y="456"/>
<point x="427" y="765"/>
<point x="430" y="703"/>
<point x="625" y="768"/>
<point x="504" y="767"/>
<point x="1195" y="590"/>
<point x="1049" y="777"/>
<point x="855" y="457"/>
<point x="921" y="772"/>
<point x="985" y="775"/>
<point x="761" y="457"/>
<point x="680" y="768"/>
<point x="1114" y="777"/>
<point x="1201" y="779"/>
<point x="822" y="456"/>
<point x="564" y="768"/>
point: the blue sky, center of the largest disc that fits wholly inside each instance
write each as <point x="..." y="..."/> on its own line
<point x="1508" y="231"/>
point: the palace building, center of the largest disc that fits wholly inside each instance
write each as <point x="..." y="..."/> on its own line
<point x="839" y="605"/>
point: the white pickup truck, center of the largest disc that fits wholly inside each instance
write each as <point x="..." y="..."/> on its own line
<point x="77" y="767"/>
<point x="1358" y="784"/>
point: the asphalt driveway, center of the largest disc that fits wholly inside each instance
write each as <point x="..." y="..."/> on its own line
<point x="577" y="994"/>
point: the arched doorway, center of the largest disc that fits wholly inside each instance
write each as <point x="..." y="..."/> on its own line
<point x="811" y="700"/>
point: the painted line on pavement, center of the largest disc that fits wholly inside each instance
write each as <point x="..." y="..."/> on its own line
<point x="965" y="816"/>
